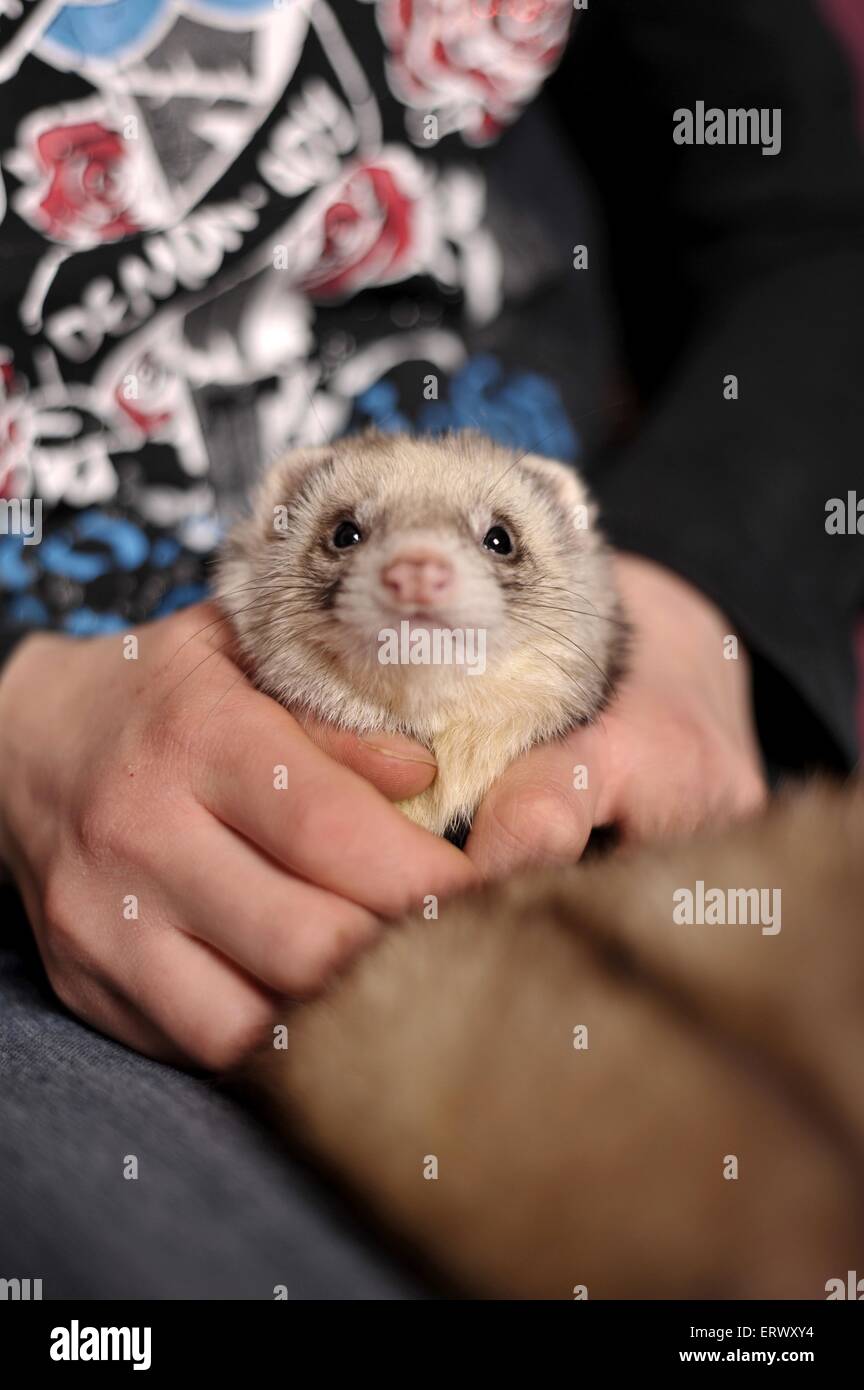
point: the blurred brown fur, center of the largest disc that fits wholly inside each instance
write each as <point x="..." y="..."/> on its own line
<point x="604" y="1167"/>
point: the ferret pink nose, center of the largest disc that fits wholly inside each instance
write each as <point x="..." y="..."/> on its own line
<point x="423" y="577"/>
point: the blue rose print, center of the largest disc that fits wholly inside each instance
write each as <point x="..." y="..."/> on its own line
<point x="84" y="550"/>
<point x="521" y="410"/>
<point x="94" y="29"/>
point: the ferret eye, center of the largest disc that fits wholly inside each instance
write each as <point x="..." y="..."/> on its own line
<point x="498" y="541"/>
<point x="347" y="533"/>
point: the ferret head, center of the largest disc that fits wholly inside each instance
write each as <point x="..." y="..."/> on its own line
<point x="377" y="575"/>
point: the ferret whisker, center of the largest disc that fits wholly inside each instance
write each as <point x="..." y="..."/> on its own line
<point x="561" y="589"/>
<point x="217" y="651"/>
<point x="216" y="622"/>
<point x="258" y="582"/>
<point x="185" y="643"/>
<point x="275" y="628"/>
<point x="546" y="588"/>
<point x="284" y="610"/>
<point x="574" y="680"/>
<point x="561" y="637"/>
<point x="576" y="612"/>
<point x="239" y="678"/>
<point x="274" y="624"/>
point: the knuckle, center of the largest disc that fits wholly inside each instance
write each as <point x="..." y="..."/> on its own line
<point x="65" y="984"/>
<point x="544" y="815"/>
<point x="315" y="817"/>
<point x="296" y="952"/>
<point x="66" y="965"/>
<point x="173" y="731"/>
<point x="215" y="735"/>
<point x="58" y="919"/>
<point x="99" y="829"/>
<point x="66" y="954"/>
<point x="313" y="966"/>
<point x="223" y="1048"/>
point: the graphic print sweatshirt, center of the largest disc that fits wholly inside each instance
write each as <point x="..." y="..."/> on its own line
<point x="232" y="226"/>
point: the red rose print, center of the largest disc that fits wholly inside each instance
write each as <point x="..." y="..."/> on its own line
<point x="472" y="63"/>
<point x="85" y="194"/>
<point x="366" y="234"/>
<point x="147" y="394"/>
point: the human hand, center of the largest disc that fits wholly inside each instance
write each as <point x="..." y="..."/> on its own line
<point x="675" y="749"/>
<point x="174" y="891"/>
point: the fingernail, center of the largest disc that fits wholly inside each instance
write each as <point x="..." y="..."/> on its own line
<point x="395" y="746"/>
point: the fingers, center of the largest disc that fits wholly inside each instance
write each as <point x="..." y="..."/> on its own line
<point x="670" y="770"/>
<point x="210" y="1013"/>
<point x="101" y="1007"/>
<point x="179" y="1002"/>
<point x="397" y="766"/>
<point x="147" y="984"/>
<point x="668" y="803"/>
<point x="289" y="934"/>
<point x="262" y="776"/>
<point x="540" y="811"/>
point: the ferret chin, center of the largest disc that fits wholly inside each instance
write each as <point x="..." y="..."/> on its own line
<point x="444" y="589"/>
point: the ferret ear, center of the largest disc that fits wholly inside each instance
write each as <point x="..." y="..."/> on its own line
<point x="287" y="472"/>
<point x="290" y="468"/>
<point x="570" y="491"/>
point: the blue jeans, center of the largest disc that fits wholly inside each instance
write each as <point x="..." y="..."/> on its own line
<point x="218" y="1210"/>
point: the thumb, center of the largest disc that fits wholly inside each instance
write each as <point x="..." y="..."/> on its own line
<point x="397" y="766"/>
<point x="541" y="811"/>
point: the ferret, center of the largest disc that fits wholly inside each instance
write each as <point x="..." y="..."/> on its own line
<point x="558" y="1091"/>
<point x="447" y="589"/>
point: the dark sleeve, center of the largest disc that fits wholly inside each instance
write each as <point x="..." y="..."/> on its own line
<point x="8" y="643"/>
<point x="10" y="633"/>
<point x="729" y="262"/>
